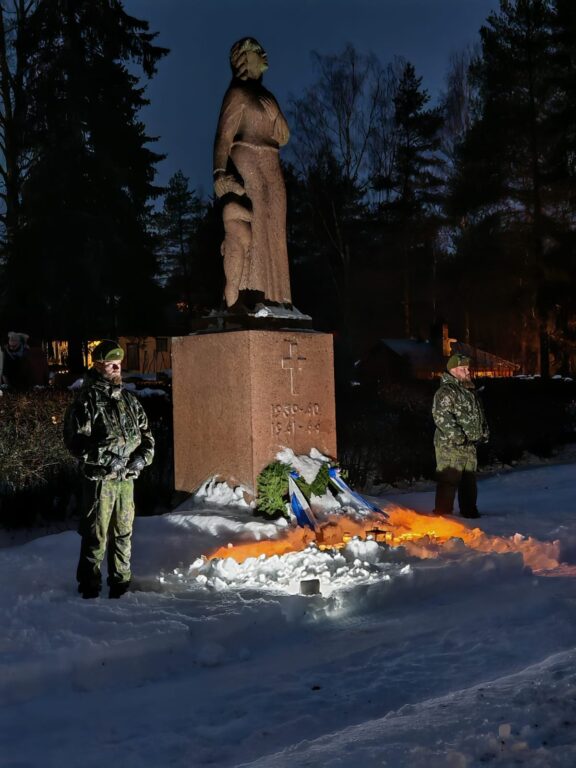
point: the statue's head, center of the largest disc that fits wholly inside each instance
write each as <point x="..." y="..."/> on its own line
<point x="248" y="59"/>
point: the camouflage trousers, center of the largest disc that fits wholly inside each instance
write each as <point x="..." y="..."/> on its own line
<point x="460" y="457"/>
<point x="455" y="473"/>
<point x="106" y="525"/>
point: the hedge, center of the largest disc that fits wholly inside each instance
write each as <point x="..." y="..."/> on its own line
<point x="39" y="480"/>
<point x="387" y="436"/>
<point x="383" y="437"/>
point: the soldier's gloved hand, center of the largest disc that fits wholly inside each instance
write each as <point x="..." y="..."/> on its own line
<point x="135" y="466"/>
<point x="117" y="466"/>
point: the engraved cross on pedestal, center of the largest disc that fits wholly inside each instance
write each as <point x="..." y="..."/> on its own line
<point x="293" y="363"/>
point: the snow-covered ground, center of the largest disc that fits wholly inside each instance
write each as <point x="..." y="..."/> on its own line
<point x="435" y="656"/>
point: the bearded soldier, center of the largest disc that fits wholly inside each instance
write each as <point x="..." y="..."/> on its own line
<point x="106" y="429"/>
<point x="460" y="426"/>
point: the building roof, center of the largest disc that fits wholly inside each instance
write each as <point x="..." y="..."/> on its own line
<point x="484" y="361"/>
<point x="423" y="355"/>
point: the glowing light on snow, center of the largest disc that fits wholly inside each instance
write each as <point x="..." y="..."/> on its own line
<point x="423" y="536"/>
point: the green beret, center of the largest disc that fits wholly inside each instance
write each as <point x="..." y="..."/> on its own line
<point x="457" y="360"/>
<point x="108" y="351"/>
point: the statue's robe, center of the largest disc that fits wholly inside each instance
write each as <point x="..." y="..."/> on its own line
<point x="250" y="131"/>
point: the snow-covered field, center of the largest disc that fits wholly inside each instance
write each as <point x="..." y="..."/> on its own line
<point x="457" y="657"/>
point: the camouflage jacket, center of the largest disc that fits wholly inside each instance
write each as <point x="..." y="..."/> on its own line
<point x="105" y="422"/>
<point x="458" y="415"/>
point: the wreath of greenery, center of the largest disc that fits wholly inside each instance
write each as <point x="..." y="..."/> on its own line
<point x="272" y="487"/>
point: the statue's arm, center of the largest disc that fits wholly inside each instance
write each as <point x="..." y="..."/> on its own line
<point x="280" y="130"/>
<point x="228" y="124"/>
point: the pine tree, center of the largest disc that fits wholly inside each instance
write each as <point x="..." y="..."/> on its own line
<point x="84" y="263"/>
<point x="186" y="244"/>
<point x="177" y="224"/>
<point x="412" y="212"/>
<point x="562" y="257"/>
<point x="504" y="186"/>
<point x="14" y="85"/>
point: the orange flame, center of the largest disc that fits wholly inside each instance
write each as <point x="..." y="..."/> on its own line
<point x="292" y="540"/>
<point x="422" y="536"/>
<point x="417" y="532"/>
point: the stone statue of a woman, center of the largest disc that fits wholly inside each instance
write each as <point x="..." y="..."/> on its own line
<point x="248" y="179"/>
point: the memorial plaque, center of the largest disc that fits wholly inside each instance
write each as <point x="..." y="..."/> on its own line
<point x="242" y="396"/>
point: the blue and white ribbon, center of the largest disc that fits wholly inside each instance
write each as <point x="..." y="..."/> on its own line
<point x="357" y="500"/>
<point x="300" y="507"/>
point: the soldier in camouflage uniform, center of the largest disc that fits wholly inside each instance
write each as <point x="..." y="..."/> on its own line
<point x="106" y="428"/>
<point x="460" y="426"/>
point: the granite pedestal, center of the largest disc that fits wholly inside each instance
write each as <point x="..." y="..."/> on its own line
<point x="241" y="396"/>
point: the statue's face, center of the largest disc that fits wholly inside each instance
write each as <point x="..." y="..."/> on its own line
<point x="256" y="63"/>
<point x="249" y="60"/>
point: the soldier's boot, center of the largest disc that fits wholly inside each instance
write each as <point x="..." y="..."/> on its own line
<point x="467" y="496"/>
<point x="88" y="591"/>
<point x="447" y="481"/>
<point x="117" y="590"/>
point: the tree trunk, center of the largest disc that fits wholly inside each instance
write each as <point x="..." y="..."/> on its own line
<point x="407" y="303"/>
<point x="76" y="363"/>
<point x="544" y="350"/>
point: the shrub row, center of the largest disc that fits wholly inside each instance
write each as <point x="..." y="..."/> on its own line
<point x="387" y="436"/>
<point x="39" y="480"/>
<point x="383" y="437"/>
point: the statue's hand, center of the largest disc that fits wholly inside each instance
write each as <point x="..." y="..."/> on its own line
<point x="225" y="183"/>
<point x="281" y="132"/>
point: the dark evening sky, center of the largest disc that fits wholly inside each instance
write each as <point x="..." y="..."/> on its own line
<point x="187" y="91"/>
